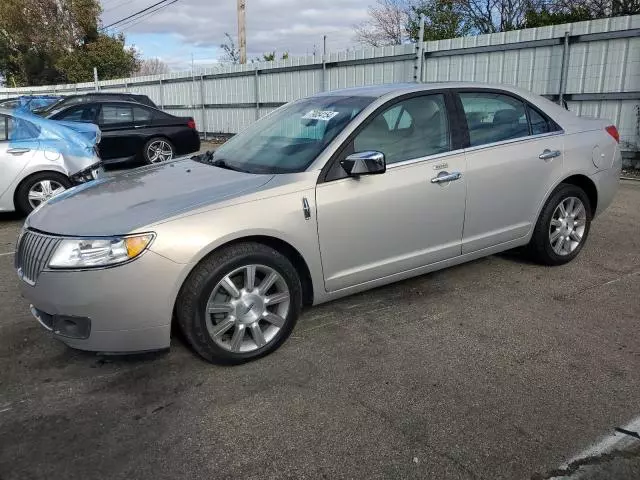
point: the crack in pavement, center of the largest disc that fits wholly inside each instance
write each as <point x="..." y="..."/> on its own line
<point x="574" y="466"/>
<point x="569" y="296"/>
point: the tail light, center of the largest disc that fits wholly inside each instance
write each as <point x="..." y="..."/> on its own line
<point x="613" y="131"/>
<point x="192" y="124"/>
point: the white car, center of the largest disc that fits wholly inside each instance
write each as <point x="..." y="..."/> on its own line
<point x="41" y="158"/>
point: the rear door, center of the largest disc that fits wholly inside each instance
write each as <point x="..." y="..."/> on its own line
<point x="514" y="157"/>
<point x="119" y="137"/>
<point x="18" y="144"/>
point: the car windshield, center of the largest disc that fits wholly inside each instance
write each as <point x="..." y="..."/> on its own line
<point x="291" y="138"/>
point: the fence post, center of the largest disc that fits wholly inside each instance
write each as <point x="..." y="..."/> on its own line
<point x="257" y="93"/>
<point x="420" y="48"/>
<point x="161" y="94"/>
<point x="95" y="78"/>
<point x="565" y="69"/>
<point x="204" y="114"/>
<point x="324" y="63"/>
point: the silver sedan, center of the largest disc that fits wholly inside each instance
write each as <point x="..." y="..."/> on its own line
<point x="41" y="158"/>
<point x="325" y="197"/>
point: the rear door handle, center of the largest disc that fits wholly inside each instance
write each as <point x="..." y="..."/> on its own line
<point x="549" y="154"/>
<point x="18" y="151"/>
<point x="444" y="177"/>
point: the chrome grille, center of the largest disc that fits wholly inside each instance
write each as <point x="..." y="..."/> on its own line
<point x="33" y="254"/>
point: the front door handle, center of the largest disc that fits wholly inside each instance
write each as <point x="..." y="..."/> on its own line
<point x="549" y="154"/>
<point x="444" y="177"/>
<point x="18" y="151"/>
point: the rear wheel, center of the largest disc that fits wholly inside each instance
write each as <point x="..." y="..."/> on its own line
<point x="38" y="188"/>
<point x="240" y="303"/>
<point x="158" y="150"/>
<point x="563" y="226"/>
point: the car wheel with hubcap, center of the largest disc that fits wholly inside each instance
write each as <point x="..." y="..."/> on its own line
<point x="38" y="188"/>
<point x="158" y="150"/>
<point x="240" y="303"/>
<point x="562" y="227"/>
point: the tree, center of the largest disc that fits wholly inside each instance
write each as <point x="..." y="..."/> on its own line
<point x="231" y="53"/>
<point x="443" y="19"/>
<point x="548" y="15"/>
<point x="491" y="16"/>
<point x="151" y="66"/>
<point x="37" y="35"/>
<point x="566" y="11"/>
<point x="108" y="54"/>
<point x="386" y="24"/>
<point x="271" y="56"/>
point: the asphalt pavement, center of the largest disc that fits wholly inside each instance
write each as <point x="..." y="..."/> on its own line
<point x="496" y="369"/>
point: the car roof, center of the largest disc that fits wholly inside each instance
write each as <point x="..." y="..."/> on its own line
<point x="401" y="88"/>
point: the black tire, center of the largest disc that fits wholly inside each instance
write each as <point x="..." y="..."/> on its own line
<point x="145" y="150"/>
<point x="194" y="295"/>
<point x="21" y="197"/>
<point x="539" y="247"/>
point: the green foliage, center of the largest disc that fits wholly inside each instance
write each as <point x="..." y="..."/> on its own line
<point x="443" y="19"/>
<point x="108" y="54"/>
<point x="52" y="41"/>
<point x="544" y="16"/>
<point x="271" y="56"/>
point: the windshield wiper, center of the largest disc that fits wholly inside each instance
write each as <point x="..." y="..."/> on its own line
<point x="208" y="157"/>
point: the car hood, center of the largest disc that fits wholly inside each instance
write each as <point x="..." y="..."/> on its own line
<point x="126" y="202"/>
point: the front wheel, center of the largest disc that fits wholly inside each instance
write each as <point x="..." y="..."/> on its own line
<point x="158" y="150"/>
<point x="563" y="226"/>
<point x="240" y="303"/>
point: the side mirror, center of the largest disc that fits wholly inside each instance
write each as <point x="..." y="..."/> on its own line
<point x="364" y="163"/>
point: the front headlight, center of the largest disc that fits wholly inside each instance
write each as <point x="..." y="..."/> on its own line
<point x="99" y="252"/>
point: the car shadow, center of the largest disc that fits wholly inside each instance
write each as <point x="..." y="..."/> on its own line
<point x="10" y="216"/>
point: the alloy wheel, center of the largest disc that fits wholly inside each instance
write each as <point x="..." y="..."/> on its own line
<point x="247" y="308"/>
<point x="43" y="190"/>
<point x="159" y="151"/>
<point x="567" y="227"/>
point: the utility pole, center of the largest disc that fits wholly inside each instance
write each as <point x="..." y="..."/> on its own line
<point x="242" y="33"/>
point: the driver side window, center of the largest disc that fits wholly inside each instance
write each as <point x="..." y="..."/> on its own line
<point x="412" y="128"/>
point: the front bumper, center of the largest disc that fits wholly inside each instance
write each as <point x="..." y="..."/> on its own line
<point x="127" y="308"/>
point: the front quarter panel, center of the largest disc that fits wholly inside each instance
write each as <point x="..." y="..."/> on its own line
<point x="276" y="213"/>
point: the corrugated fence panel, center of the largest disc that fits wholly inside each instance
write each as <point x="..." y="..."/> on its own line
<point x="225" y="98"/>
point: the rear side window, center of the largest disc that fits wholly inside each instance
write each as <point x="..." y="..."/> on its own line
<point x="113" y="114"/>
<point x="19" y="129"/>
<point x="539" y="123"/>
<point x="79" y="114"/>
<point x="141" y="115"/>
<point x="493" y="117"/>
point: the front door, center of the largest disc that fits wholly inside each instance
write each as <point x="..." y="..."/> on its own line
<point x="374" y="226"/>
<point x="507" y="179"/>
<point x="18" y="144"/>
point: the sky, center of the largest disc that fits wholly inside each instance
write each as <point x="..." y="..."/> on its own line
<point x="197" y="27"/>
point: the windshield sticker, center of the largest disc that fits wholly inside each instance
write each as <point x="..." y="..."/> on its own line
<point x="325" y="115"/>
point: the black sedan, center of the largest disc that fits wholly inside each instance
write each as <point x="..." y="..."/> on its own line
<point x="135" y="132"/>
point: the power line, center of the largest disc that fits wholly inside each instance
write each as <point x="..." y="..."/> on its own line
<point x="137" y="13"/>
<point x="134" y="21"/>
<point x="118" y="5"/>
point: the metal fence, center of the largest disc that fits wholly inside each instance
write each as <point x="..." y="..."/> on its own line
<point x="594" y="66"/>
